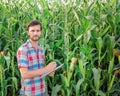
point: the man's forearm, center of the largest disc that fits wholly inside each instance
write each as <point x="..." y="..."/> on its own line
<point x="27" y="74"/>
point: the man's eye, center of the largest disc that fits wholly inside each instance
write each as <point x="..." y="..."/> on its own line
<point x="32" y="30"/>
<point x="38" y="30"/>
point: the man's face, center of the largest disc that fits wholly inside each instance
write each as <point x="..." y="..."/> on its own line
<point x="34" y="32"/>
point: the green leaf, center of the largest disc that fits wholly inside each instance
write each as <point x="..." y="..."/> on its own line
<point x="101" y="93"/>
<point x="78" y="86"/>
<point x="105" y="30"/>
<point x="55" y="90"/>
<point x="59" y="42"/>
<point x="99" y="43"/>
<point x="96" y="74"/>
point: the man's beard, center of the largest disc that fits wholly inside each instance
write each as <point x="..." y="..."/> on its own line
<point x="35" y="38"/>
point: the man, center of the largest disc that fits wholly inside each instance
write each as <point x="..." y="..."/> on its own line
<point x="30" y="58"/>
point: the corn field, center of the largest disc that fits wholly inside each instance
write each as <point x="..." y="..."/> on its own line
<point x="82" y="34"/>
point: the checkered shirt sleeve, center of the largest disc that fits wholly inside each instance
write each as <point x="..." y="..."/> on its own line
<point x="22" y="57"/>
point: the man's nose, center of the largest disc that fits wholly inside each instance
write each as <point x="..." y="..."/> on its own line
<point x="35" y="32"/>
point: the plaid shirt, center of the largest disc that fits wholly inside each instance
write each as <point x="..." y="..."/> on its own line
<point x="29" y="58"/>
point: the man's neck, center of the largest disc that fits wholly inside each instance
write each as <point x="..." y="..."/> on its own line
<point x="34" y="44"/>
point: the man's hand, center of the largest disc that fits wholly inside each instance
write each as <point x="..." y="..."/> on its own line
<point x="51" y="66"/>
<point x="52" y="74"/>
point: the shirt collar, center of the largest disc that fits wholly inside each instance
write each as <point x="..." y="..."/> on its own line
<point x="30" y="45"/>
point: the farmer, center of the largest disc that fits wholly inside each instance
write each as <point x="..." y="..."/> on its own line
<point x="30" y="57"/>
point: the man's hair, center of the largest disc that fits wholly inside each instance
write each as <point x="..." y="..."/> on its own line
<point x="33" y="23"/>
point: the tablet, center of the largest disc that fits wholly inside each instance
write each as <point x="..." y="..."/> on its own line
<point x="57" y="68"/>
